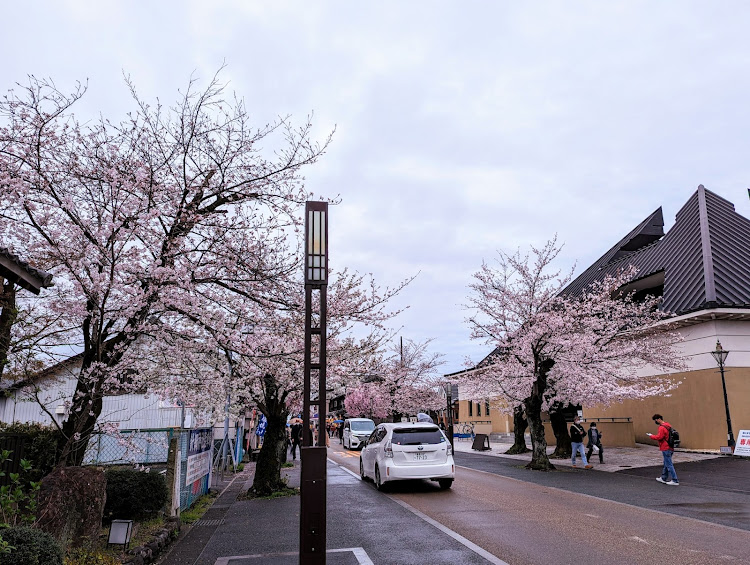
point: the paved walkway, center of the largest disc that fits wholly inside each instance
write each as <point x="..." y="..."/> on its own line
<point x="615" y="458"/>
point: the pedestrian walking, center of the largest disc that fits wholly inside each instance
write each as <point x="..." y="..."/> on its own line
<point x="576" y="440"/>
<point x="595" y="441"/>
<point x="666" y="451"/>
<point x="341" y="433"/>
<point x="296" y="436"/>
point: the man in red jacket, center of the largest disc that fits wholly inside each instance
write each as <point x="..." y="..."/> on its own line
<point x="666" y="451"/>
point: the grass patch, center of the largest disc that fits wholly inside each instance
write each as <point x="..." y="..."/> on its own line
<point x="287" y="465"/>
<point x="198" y="509"/>
<point x="288" y="491"/>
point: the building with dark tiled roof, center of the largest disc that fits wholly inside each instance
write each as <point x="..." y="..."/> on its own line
<point x="701" y="269"/>
<point x="14" y="269"/>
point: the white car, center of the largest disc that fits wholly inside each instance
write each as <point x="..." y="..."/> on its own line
<point x="356" y="432"/>
<point x="404" y="451"/>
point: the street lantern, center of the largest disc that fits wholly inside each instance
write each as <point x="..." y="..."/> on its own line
<point x="720" y="355"/>
<point x="312" y="547"/>
<point x="316" y="249"/>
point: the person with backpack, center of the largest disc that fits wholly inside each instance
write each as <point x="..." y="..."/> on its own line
<point x="666" y="446"/>
<point x="595" y="440"/>
<point x="576" y="440"/>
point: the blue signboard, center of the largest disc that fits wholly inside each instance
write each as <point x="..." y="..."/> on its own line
<point x="260" y="431"/>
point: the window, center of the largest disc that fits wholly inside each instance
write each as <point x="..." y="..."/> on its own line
<point x="362" y="426"/>
<point x="416" y="436"/>
<point x="487" y="407"/>
<point x="471" y="408"/>
<point x="479" y="409"/>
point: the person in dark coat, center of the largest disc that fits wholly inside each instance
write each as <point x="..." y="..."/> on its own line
<point x="595" y="439"/>
<point x="296" y="433"/>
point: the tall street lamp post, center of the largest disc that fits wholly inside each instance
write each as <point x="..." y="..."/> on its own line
<point x="449" y="399"/>
<point x="721" y="356"/>
<point x="312" y="546"/>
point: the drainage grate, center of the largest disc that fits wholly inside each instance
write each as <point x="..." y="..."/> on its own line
<point x="210" y="522"/>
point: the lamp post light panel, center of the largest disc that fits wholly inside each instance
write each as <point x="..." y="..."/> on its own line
<point x="316" y="252"/>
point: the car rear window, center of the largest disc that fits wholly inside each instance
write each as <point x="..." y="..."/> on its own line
<point x="416" y="436"/>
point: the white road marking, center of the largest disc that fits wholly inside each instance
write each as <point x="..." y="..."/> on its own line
<point x="592" y="515"/>
<point x="639" y="540"/>
<point x="359" y="553"/>
<point x="455" y="535"/>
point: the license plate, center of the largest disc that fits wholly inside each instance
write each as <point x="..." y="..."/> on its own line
<point x="420" y="457"/>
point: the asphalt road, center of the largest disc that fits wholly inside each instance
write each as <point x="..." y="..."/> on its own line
<point x="581" y="517"/>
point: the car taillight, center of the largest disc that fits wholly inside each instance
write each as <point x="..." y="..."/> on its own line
<point x="449" y="449"/>
<point x="388" y="449"/>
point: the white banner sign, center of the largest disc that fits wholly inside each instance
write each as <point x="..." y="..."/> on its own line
<point x="742" y="447"/>
<point x="198" y="466"/>
<point x="199" y="454"/>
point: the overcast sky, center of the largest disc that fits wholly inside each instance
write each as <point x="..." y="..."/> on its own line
<point x="461" y="127"/>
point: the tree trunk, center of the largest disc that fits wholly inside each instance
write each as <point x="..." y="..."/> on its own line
<point x="539" y="459"/>
<point x="563" y="448"/>
<point x="85" y="408"/>
<point x="268" y="469"/>
<point x="519" y="432"/>
<point x="267" y="478"/>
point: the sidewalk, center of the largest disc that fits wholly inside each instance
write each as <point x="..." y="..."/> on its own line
<point x="615" y="458"/>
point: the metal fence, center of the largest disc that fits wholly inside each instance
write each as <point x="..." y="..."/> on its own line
<point x="149" y="447"/>
<point x="129" y="447"/>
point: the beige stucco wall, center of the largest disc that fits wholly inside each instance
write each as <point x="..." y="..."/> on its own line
<point x="495" y="422"/>
<point x="695" y="408"/>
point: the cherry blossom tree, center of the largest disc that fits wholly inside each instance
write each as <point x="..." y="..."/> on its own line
<point x="405" y="382"/>
<point x="141" y="223"/>
<point x="367" y="401"/>
<point x="552" y="348"/>
<point x="253" y="351"/>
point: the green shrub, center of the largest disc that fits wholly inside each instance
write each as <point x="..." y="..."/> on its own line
<point x="17" y="501"/>
<point x="134" y="494"/>
<point x="40" y="448"/>
<point x="30" y="547"/>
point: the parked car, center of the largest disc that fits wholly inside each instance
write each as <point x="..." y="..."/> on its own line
<point x="404" y="451"/>
<point x="356" y="431"/>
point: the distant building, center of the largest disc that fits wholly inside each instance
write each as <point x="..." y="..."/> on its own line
<point x="701" y="269"/>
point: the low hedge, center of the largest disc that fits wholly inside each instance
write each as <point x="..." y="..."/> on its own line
<point x="133" y="495"/>
<point x="30" y="547"/>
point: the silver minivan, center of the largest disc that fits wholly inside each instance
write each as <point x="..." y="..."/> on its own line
<point x="356" y="432"/>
